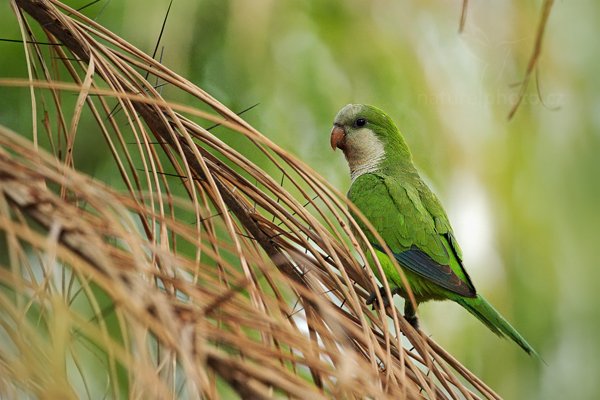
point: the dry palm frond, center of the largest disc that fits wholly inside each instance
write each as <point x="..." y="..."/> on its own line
<point x="263" y="295"/>
<point x="534" y="57"/>
<point x="463" y="16"/>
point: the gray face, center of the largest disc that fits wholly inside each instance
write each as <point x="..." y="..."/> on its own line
<point x="363" y="150"/>
<point x="347" y="115"/>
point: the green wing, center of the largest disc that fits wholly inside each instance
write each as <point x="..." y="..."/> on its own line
<point x="414" y="226"/>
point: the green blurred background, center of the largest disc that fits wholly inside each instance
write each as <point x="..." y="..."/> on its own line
<point x="522" y="194"/>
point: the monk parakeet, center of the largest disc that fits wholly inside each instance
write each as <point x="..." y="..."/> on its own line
<point x="389" y="192"/>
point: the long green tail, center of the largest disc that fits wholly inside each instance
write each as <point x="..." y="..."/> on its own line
<point x="479" y="307"/>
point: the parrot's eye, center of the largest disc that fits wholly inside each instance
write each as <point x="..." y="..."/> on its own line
<point x="360" y="122"/>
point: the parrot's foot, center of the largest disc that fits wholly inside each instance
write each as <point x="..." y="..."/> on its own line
<point x="410" y="315"/>
<point x="372" y="299"/>
<point x="413" y="320"/>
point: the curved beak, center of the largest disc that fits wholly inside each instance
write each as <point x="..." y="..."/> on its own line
<point x="338" y="137"/>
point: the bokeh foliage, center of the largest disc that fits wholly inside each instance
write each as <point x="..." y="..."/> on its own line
<point x="522" y="194"/>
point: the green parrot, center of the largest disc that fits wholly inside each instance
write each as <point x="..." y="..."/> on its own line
<point x="388" y="190"/>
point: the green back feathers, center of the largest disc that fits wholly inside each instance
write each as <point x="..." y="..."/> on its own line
<point x="398" y="213"/>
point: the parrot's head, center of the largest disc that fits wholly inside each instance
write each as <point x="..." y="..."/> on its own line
<point x="368" y="137"/>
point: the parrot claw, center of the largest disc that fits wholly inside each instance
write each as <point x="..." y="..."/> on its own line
<point x="372" y="299"/>
<point x="413" y="320"/>
<point x="410" y="315"/>
<point x="409" y="312"/>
